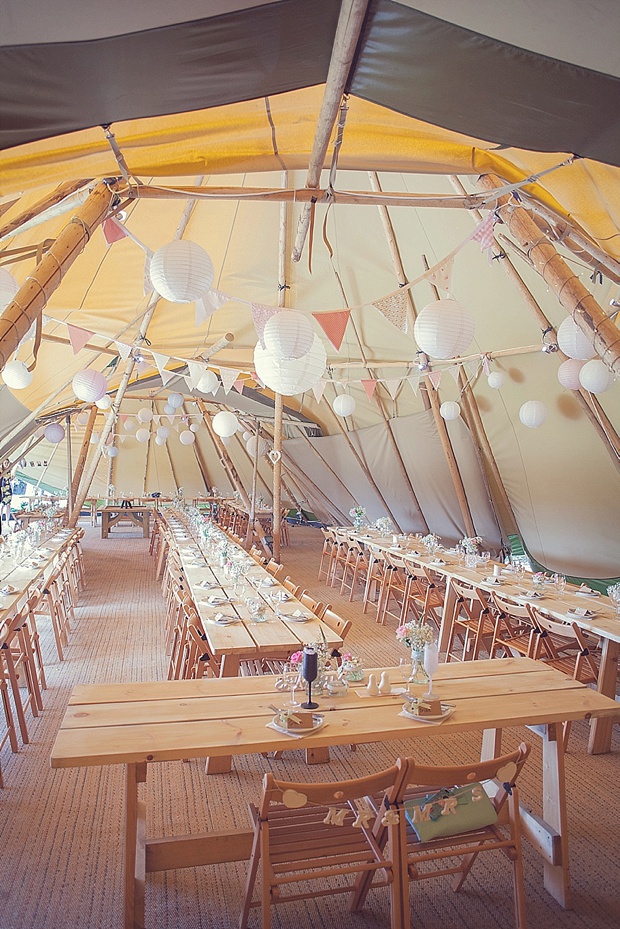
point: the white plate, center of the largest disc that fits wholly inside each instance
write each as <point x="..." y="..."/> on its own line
<point x="529" y="595"/>
<point x="447" y="711"/>
<point x="224" y="621"/>
<point x="587" y="593"/>
<point x="317" y="720"/>
<point x="496" y="581"/>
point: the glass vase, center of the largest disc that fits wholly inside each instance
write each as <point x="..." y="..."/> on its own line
<point x="418" y="672"/>
<point x="359" y="522"/>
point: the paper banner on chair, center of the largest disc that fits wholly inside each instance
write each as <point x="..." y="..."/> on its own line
<point x="228" y="377"/>
<point x="414" y="382"/>
<point x="112" y="231"/>
<point x="239" y="385"/>
<point x="319" y="389"/>
<point x="196" y="371"/>
<point x="334" y="325"/>
<point x="208" y="305"/>
<point x="394" y="309"/>
<point x="435" y="378"/>
<point x="441" y="277"/>
<point x="370" y="387"/>
<point x="261" y="314"/>
<point x="393" y="386"/>
<point x="78" y="337"/>
<point x="123" y="349"/>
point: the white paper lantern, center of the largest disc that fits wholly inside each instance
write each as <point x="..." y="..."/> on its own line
<point x="82" y="418"/>
<point x="344" y="405"/>
<point x="208" y="383"/>
<point x="568" y="373"/>
<point x="145" y="415"/>
<point x="450" y="410"/>
<point x="595" y="376"/>
<point x="16" y="375"/>
<point x="160" y="440"/>
<point x="444" y="329"/>
<point x="226" y="439"/>
<point x="288" y="335"/>
<point x="104" y="403"/>
<point x="54" y="433"/>
<point x="130" y="425"/>
<point x="163" y="432"/>
<point x="169" y="410"/>
<point x="194" y="427"/>
<point x="187" y="437"/>
<point x="181" y="271"/>
<point x="496" y="380"/>
<point x="246" y="435"/>
<point x="533" y="414"/>
<point x="94" y="438"/>
<point x="113" y="451"/>
<point x="573" y="342"/>
<point x="89" y="385"/>
<point x="175" y="401"/>
<point x="290" y="377"/>
<point x="251" y="444"/>
<point x="142" y="435"/>
<point x="8" y="288"/>
<point x="225" y="424"/>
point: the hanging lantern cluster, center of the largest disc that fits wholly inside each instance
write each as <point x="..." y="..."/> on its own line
<point x="94" y="438"/>
<point x="82" y="418"/>
<point x="54" y="433"/>
<point x="595" y="376"/>
<point x="181" y="271"/>
<point x="162" y="433"/>
<point x="568" y="373"/>
<point x="143" y="435"/>
<point x="145" y="414"/>
<point x="175" y="401"/>
<point x="112" y="451"/>
<point x="89" y="385"/>
<point x="256" y="447"/>
<point x="187" y="437"/>
<point x="444" y="329"/>
<point x="104" y="403"/>
<point x="290" y="377"/>
<point x="573" y="342"/>
<point x="208" y="383"/>
<point x="496" y="380"/>
<point x="16" y="375"/>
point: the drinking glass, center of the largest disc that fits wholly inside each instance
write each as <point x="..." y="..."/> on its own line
<point x="431" y="662"/>
<point x="292" y="677"/>
<point x="485" y="557"/>
<point x="560" y="583"/>
<point x="404" y="665"/>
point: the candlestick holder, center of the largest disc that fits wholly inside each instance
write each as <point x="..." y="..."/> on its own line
<point x="309" y="672"/>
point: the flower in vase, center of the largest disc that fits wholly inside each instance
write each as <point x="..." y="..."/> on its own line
<point x="296" y="658"/>
<point x="471" y="543"/>
<point x="415" y="635"/>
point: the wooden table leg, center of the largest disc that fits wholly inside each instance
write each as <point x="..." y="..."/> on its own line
<point x="145" y="524"/>
<point x="317" y="755"/>
<point x="600" y="729"/>
<point x="556" y="877"/>
<point x="135" y="847"/>
<point x="446" y="617"/>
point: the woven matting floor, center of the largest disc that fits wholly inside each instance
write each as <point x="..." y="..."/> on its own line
<point x="61" y="831"/>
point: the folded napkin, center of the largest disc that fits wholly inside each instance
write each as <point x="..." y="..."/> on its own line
<point x="281" y="595"/>
<point x="208" y="585"/>
<point x="437" y="561"/>
<point x="297" y="615"/>
<point x="224" y="619"/>
<point x="493" y="580"/>
<point x="319" y="722"/>
<point x="217" y="601"/>
<point x="580" y="611"/>
<point x="7" y="590"/>
<point x="586" y="591"/>
<point x="267" y="582"/>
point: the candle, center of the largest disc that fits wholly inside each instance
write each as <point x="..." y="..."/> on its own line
<point x="497" y="570"/>
<point x="310" y="664"/>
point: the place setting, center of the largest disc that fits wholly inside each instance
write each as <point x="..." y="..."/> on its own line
<point x="296" y="719"/>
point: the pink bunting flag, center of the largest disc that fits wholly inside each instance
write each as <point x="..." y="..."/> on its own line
<point x="319" y="389"/>
<point x="112" y="231"/>
<point x="78" y="337"/>
<point x="261" y="314"/>
<point x="394" y="309"/>
<point x="435" y="378"/>
<point x="484" y="233"/>
<point x="369" y="387"/>
<point x="228" y="377"/>
<point x="239" y="385"/>
<point x="333" y="325"/>
<point x="123" y="417"/>
<point x="256" y="378"/>
<point x="393" y="386"/>
<point x="486" y="366"/>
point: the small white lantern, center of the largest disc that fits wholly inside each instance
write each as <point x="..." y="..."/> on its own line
<point x="104" y="403"/>
<point x="595" y="376"/>
<point x="94" y="438"/>
<point x="89" y="385"/>
<point x="496" y="380"/>
<point x="208" y="383"/>
<point x="145" y="415"/>
<point x="130" y="425"/>
<point x="226" y="439"/>
<point x="568" y="373"/>
<point x="194" y="427"/>
<point x="8" y="288"/>
<point x="533" y="414"/>
<point x="288" y="334"/>
<point x="450" y="410"/>
<point x="169" y="410"/>
<point x="181" y="271"/>
<point x="290" y="377"/>
<point x="175" y="401"/>
<point x="16" y="375"/>
<point x="160" y="440"/>
<point x="573" y="342"/>
<point x="444" y="329"/>
<point x="344" y="405"/>
<point x="187" y="437"/>
<point x="251" y="447"/>
<point x="113" y="451"/>
<point x="225" y="424"/>
<point x="163" y="432"/>
<point x="143" y="435"/>
<point x="54" y="433"/>
<point x="246" y="435"/>
<point x="82" y="418"/>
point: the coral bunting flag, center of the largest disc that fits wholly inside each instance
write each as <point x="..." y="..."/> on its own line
<point x="369" y="387"/>
<point x="112" y="231"/>
<point x="78" y="337"/>
<point x="333" y="325"/>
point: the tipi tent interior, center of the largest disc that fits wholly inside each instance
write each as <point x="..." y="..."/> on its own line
<point x="417" y="201"/>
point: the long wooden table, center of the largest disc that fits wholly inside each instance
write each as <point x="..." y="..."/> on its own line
<point x="605" y="623"/>
<point x="113" y="515"/>
<point x="23" y="576"/>
<point x="141" y="724"/>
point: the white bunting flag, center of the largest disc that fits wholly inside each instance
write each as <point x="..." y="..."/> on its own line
<point x="209" y="304"/>
<point x="435" y="378"/>
<point x="196" y="370"/>
<point x="160" y="360"/>
<point x="228" y="377"/>
<point x="166" y="376"/>
<point x="393" y="386"/>
<point x="455" y="371"/>
<point x="414" y="382"/>
<point x="123" y="349"/>
<point x="319" y="389"/>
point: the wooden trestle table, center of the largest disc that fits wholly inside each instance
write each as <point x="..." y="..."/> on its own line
<point x="113" y="515"/>
<point x="140" y="724"/>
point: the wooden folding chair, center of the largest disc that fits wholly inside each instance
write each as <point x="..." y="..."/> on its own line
<point x="336" y="623"/>
<point x="471" y="623"/>
<point x="514" y="631"/>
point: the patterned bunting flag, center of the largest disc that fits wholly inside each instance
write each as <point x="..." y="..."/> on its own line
<point x="333" y="325"/>
<point x="435" y="378"/>
<point x="239" y="385"/>
<point x="261" y="313"/>
<point x="484" y="234"/>
<point x="393" y="386"/>
<point x="369" y="386"/>
<point x="319" y="389"/>
<point x="414" y="382"/>
<point x="147" y="283"/>
<point x="394" y="309"/>
<point x="441" y="277"/>
<point x="228" y="377"/>
<point x="78" y="337"/>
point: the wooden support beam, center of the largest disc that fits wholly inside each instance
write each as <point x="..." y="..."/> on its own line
<point x="278" y="403"/>
<point x="42" y="210"/>
<point x="79" y="467"/>
<point x="89" y="347"/>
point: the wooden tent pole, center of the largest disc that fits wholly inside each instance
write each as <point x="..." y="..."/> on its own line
<point x="79" y="467"/>
<point x="572" y="294"/>
<point x="276" y="502"/>
<point x="350" y="22"/>
<point x="35" y="214"/>
<point x="69" y="464"/>
<point x="32" y="296"/>
<point x="250" y="532"/>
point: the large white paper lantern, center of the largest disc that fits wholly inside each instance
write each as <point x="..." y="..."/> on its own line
<point x="181" y="271"/>
<point x="568" y="373"/>
<point x="175" y="401"/>
<point x="142" y="435"/>
<point x="225" y="424"/>
<point x="496" y="380"/>
<point x="113" y="451"/>
<point x="82" y="418"/>
<point x="251" y="445"/>
<point x="533" y="414"/>
<point x="94" y="438"/>
<point x="145" y="415"/>
<point x="450" y="410"/>
<point x="344" y="405"/>
<point x="573" y="342"/>
<point x="595" y="376"/>
<point x="8" y="288"/>
<point x="54" y="433"/>
<point x="104" y="403"/>
<point x="16" y="375"/>
<point x="89" y="385"/>
<point x="208" y="383"/>
<point x="160" y="440"/>
<point x="444" y="329"/>
<point x="130" y="425"/>
<point x="163" y="432"/>
<point x="288" y="335"/>
<point x="187" y="437"/>
<point x="290" y="377"/>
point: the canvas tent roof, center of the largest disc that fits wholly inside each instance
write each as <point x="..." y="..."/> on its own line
<point x="435" y="91"/>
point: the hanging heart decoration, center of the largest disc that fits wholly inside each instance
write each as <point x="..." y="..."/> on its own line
<point x="274" y="456"/>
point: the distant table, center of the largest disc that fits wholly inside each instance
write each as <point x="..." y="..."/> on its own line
<point x="114" y="515"/>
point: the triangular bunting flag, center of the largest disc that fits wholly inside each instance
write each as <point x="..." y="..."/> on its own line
<point x="333" y="325"/>
<point x="123" y="417"/>
<point x="472" y="367"/>
<point x="484" y="232"/>
<point x="392" y="386"/>
<point x="160" y="360"/>
<point x="369" y="387"/>
<point x="156" y="418"/>
<point x="441" y="277"/>
<point x="319" y="389"/>
<point x="261" y="314"/>
<point x="78" y="337"/>
<point x="258" y="380"/>
<point x="208" y="304"/>
<point x="170" y="419"/>
<point x="147" y="283"/>
<point x="394" y="308"/>
<point x="486" y="366"/>
<point x="228" y="377"/>
<point x="188" y="381"/>
<point x="239" y="385"/>
<point x="112" y="231"/>
<point x="196" y="370"/>
<point x="142" y="366"/>
<point x="121" y="438"/>
<point x="166" y="376"/>
<point x="414" y="382"/>
<point x="454" y="370"/>
<point x="123" y="349"/>
<point x="435" y="378"/>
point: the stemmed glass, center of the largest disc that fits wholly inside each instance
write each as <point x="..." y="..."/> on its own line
<point x="431" y="663"/>
<point x="291" y="675"/>
<point x="560" y="583"/>
<point x="404" y="665"/>
<point x="309" y="672"/>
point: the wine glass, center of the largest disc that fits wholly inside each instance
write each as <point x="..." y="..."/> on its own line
<point x="309" y="672"/>
<point x="291" y="676"/>
<point x="431" y="663"/>
<point x="404" y="665"/>
<point x="485" y="557"/>
<point x="560" y="583"/>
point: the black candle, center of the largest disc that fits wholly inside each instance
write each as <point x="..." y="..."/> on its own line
<point x="309" y="671"/>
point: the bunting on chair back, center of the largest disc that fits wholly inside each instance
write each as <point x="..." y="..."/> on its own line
<point x="261" y="314"/>
<point x="333" y="325"/>
<point x="394" y="309"/>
